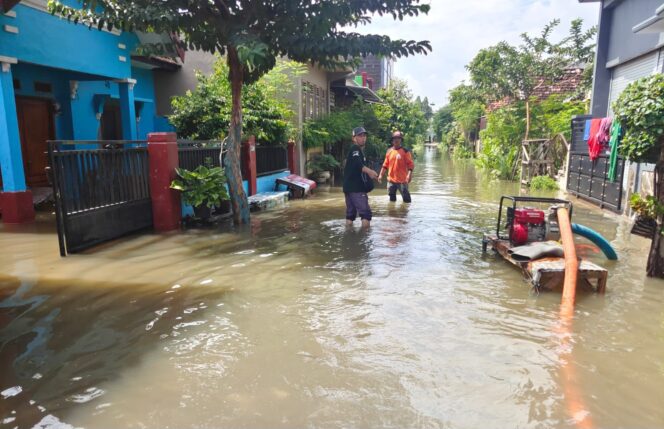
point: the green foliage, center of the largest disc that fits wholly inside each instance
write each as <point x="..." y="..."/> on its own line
<point x="553" y="115"/>
<point x="205" y="113"/>
<point x="257" y="33"/>
<point x="501" y="141"/>
<point x="204" y="186"/>
<point x="442" y="121"/>
<point x="640" y="111"/>
<point x="544" y="183"/>
<point x="322" y="162"/>
<point x="462" y="151"/>
<point x="513" y="73"/>
<point x="647" y="207"/>
<point x="399" y="112"/>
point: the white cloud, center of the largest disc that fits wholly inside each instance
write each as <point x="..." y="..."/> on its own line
<point x="457" y="30"/>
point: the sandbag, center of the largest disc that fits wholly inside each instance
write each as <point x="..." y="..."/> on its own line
<point x="537" y="250"/>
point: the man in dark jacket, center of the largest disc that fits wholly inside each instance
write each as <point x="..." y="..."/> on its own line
<point x="358" y="180"/>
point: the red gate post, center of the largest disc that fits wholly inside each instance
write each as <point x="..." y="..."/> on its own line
<point x="291" y="157"/>
<point x="163" y="158"/>
<point x="249" y="159"/>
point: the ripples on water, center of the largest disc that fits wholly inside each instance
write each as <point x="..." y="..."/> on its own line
<point x="297" y="321"/>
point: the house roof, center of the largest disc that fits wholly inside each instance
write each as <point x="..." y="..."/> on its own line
<point x="567" y="84"/>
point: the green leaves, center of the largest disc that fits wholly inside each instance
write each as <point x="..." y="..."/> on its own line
<point x="640" y="110"/>
<point x="260" y="31"/>
<point x="205" y="113"/>
<point x="205" y="186"/>
<point x="647" y="207"/>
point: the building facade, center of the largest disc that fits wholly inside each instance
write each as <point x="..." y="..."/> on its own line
<point x="62" y="81"/>
<point x="630" y="46"/>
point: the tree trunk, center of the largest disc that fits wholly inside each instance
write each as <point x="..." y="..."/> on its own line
<point x="655" y="266"/>
<point x="527" y="119"/>
<point x="239" y="201"/>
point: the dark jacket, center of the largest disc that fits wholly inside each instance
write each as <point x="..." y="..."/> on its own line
<point x="353" y="170"/>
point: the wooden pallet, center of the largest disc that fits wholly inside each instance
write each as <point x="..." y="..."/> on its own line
<point x="549" y="273"/>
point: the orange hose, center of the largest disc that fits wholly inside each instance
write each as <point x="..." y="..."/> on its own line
<point x="573" y="399"/>
<point x="571" y="261"/>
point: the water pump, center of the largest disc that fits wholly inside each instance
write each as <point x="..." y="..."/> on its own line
<point x="528" y="225"/>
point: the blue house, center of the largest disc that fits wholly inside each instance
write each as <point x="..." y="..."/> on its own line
<point x="62" y="81"/>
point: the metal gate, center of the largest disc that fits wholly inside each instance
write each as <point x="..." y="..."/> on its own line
<point x="101" y="192"/>
<point x="589" y="179"/>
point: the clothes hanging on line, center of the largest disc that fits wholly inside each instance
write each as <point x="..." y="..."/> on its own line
<point x="604" y="131"/>
<point x="586" y="130"/>
<point x="594" y="146"/>
<point x="614" y="142"/>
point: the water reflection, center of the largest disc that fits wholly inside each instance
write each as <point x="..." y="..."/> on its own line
<point x="298" y="321"/>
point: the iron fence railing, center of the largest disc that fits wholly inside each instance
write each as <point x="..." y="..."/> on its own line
<point x="192" y="153"/>
<point x="271" y="159"/>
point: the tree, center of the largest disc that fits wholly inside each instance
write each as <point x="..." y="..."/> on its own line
<point x="400" y="112"/>
<point x="511" y="72"/>
<point x="252" y="35"/>
<point x="579" y="47"/>
<point x="205" y="113"/>
<point x="442" y="121"/>
<point x="505" y="71"/>
<point x="640" y="111"/>
<point x="428" y="110"/>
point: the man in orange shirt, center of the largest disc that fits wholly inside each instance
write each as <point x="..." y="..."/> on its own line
<point x="399" y="164"/>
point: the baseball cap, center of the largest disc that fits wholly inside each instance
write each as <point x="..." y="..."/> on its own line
<point x="359" y="130"/>
<point x="397" y="135"/>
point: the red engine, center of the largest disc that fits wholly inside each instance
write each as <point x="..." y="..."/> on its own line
<point x="528" y="225"/>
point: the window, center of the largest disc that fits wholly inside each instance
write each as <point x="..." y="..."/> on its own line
<point x="43" y="87"/>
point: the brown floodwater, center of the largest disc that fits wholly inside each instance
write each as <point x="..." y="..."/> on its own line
<point x="296" y="321"/>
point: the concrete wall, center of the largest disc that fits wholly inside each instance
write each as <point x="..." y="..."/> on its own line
<point x="77" y="119"/>
<point x="168" y="84"/>
<point x="39" y="38"/>
<point x="624" y="44"/>
<point x="266" y="183"/>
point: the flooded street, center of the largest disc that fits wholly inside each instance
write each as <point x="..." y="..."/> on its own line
<point x="296" y="321"/>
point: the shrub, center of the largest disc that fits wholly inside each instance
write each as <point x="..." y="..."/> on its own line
<point x="544" y="183"/>
<point x="640" y="111"/>
<point x="203" y="187"/>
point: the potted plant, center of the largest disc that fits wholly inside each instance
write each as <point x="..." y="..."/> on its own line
<point x="321" y="164"/>
<point x="203" y="188"/>
<point x="647" y="209"/>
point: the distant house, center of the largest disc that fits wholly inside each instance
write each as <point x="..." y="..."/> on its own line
<point x="61" y="81"/>
<point x="629" y="47"/>
<point x="379" y="71"/>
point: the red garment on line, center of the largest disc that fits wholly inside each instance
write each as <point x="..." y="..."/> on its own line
<point x="594" y="145"/>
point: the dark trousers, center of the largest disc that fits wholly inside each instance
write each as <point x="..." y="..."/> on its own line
<point x="402" y="187"/>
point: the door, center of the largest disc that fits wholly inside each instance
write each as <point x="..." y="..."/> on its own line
<point x="111" y="121"/>
<point x="35" y="123"/>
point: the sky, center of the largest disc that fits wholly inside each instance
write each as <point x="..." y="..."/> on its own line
<point x="458" y="29"/>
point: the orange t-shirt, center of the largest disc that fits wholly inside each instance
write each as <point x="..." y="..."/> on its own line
<point x="398" y="162"/>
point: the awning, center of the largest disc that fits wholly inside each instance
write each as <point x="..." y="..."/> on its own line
<point x="366" y="93"/>
<point x="654" y="24"/>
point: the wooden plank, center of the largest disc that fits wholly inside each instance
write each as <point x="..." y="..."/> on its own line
<point x="549" y="273"/>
